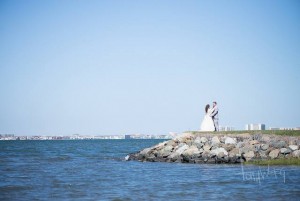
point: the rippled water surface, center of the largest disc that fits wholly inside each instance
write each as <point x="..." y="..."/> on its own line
<point x="95" y="170"/>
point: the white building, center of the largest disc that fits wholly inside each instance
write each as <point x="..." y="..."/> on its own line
<point x="226" y="128"/>
<point x="251" y="127"/>
<point x="284" y="128"/>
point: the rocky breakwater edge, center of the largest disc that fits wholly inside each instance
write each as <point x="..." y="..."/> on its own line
<point x="218" y="148"/>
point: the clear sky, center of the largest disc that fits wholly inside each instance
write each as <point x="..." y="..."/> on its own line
<point x="124" y="67"/>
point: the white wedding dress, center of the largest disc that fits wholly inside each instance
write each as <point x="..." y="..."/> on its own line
<point x="208" y="123"/>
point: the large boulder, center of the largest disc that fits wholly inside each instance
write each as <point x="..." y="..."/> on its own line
<point x="263" y="154"/>
<point x="191" y="151"/>
<point x="215" y="140"/>
<point x="197" y="142"/>
<point x="240" y="144"/>
<point x="206" y="147"/>
<point x="184" y="137"/>
<point x="174" y="157"/>
<point x="218" y="151"/>
<point x="247" y="148"/>
<point x="203" y="140"/>
<point x="285" y="151"/>
<point x="228" y="147"/>
<point x="145" y="152"/>
<point x="171" y="143"/>
<point x="249" y="155"/>
<point x="264" y="147"/>
<point x="278" y="144"/>
<point x="166" y="151"/>
<point x="181" y="148"/>
<point x="274" y="153"/>
<point x="253" y="142"/>
<point x="296" y="153"/>
<point x="234" y="152"/>
<point x="230" y="140"/>
<point x="265" y="138"/>
<point x="294" y="147"/>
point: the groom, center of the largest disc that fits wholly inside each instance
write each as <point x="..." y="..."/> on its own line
<point x="215" y="116"/>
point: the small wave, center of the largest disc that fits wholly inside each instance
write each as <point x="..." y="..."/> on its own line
<point x="14" y="188"/>
<point x="60" y="159"/>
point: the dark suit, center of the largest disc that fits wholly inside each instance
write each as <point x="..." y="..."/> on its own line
<point x="215" y="117"/>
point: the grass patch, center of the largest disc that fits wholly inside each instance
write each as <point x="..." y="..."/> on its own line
<point x="270" y="132"/>
<point x="279" y="161"/>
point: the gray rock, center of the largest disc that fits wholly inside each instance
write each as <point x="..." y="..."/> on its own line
<point x="285" y="151"/>
<point x="164" y="153"/>
<point x="203" y="140"/>
<point x="220" y="155"/>
<point x="198" y="143"/>
<point x="197" y="140"/>
<point x="278" y="144"/>
<point x="292" y="142"/>
<point x="183" y="137"/>
<point x="247" y="148"/>
<point x="228" y="147"/>
<point x="191" y="151"/>
<point x="230" y="140"/>
<point x="296" y="153"/>
<point x="215" y="140"/>
<point x="206" y="147"/>
<point x="151" y="158"/>
<point x="234" y="152"/>
<point x="181" y="149"/>
<point x="222" y="139"/>
<point x="145" y="151"/>
<point x="249" y="155"/>
<point x="189" y="142"/>
<point x="168" y="148"/>
<point x="171" y="143"/>
<point x="265" y="138"/>
<point x="174" y="157"/>
<point x="257" y="136"/>
<point x="218" y="150"/>
<point x="257" y="147"/>
<point x="253" y="142"/>
<point x="240" y="144"/>
<point x="264" y="147"/>
<point x="160" y="145"/>
<point x="294" y="147"/>
<point x="263" y="154"/>
<point x="180" y="145"/>
<point x="274" y="153"/>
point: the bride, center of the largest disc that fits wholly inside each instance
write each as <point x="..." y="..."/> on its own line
<point x="207" y="123"/>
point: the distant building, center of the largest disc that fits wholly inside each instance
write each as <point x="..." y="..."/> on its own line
<point x="226" y="128"/>
<point x="251" y="127"/>
<point x="274" y="129"/>
<point x="284" y="128"/>
<point x="127" y="136"/>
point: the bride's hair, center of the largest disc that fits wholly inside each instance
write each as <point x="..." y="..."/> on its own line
<point x="206" y="108"/>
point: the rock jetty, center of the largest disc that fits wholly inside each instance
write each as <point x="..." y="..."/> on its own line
<point x="220" y="148"/>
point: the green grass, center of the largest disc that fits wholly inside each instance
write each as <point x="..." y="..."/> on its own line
<point x="279" y="161"/>
<point x="271" y="132"/>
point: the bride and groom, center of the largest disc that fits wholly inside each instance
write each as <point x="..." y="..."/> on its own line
<point x="211" y="119"/>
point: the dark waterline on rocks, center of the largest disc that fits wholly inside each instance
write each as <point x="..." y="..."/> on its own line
<point x="96" y="170"/>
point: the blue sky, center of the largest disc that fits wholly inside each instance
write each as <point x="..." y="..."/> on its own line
<point x="123" y="67"/>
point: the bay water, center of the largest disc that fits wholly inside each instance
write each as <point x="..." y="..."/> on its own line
<point x="96" y="170"/>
